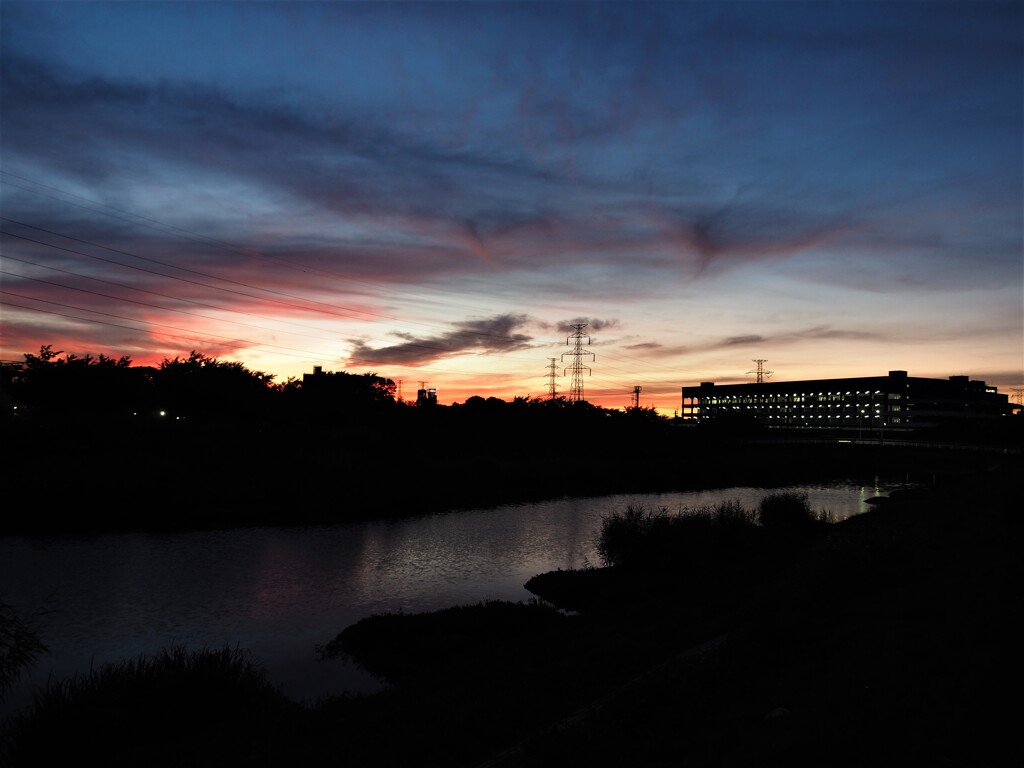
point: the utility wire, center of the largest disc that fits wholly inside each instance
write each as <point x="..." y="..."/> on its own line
<point x="157" y="225"/>
<point x="154" y="293"/>
<point x="416" y="344"/>
<point x="148" y="323"/>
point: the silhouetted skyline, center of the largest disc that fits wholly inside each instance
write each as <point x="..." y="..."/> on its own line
<point x="437" y="192"/>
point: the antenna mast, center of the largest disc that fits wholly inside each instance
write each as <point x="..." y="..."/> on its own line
<point x="577" y="367"/>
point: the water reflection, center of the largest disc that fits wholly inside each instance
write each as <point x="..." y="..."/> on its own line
<point x="279" y="593"/>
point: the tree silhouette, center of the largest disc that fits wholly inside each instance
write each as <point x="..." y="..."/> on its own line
<point x="203" y="386"/>
<point x="333" y="393"/>
<point x="81" y="386"/>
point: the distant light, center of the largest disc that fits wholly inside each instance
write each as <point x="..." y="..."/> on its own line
<point x="163" y="413"/>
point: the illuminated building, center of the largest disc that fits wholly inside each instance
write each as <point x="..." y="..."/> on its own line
<point x="896" y="402"/>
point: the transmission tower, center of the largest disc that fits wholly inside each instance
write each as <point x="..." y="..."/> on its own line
<point x="636" y="396"/>
<point x="762" y="374"/>
<point x="552" y="374"/>
<point x="577" y="367"/>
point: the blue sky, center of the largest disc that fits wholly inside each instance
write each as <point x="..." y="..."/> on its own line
<point x="435" y="192"/>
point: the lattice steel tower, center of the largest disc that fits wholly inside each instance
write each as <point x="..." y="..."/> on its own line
<point x="552" y="374"/>
<point x="762" y="374"/>
<point x="577" y="367"/>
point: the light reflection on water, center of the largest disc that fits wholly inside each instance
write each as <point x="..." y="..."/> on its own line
<point x="279" y="592"/>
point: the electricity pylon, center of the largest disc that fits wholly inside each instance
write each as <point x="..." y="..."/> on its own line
<point x="577" y="367"/>
<point x="762" y="374"/>
<point x="552" y="374"/>
<point x="636" y="396"/>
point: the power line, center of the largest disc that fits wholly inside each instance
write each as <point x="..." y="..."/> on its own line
<point x="242" y="250"/>
<point x="143" y="303"/>
<point x="327" y="309"/>
<point x="148" y="323"/>
<point x="189" y="336"/>
<point x="174" y="266"/>
<point x="418" y="345"/>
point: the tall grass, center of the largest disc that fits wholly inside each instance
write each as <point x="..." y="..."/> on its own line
<point x="649" y="537"/>
<point x="165" y="709"/>
<point x="20" y="647"/>
<point x="699" y="536"/>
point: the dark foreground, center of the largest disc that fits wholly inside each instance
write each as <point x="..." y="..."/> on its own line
<point x="883" y="640"/>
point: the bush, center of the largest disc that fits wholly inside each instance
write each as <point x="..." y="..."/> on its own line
<point x="626" y="535"/>
<point x="689" y="539"/>
<point x="790" y="512"/>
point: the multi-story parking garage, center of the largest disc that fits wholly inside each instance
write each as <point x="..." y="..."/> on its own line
<point x="895" y="402"/>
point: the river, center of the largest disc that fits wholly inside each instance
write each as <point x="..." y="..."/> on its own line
<point x="279" y="592"/>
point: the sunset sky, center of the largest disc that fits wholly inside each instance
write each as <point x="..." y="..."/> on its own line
<point x="436" y="192"/>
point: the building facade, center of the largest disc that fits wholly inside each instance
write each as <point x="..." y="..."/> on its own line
<point x="867" y="405"/>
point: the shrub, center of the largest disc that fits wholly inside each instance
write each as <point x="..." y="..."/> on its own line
<point x="625" y="536"/>
<point x="689" y="539"/>
<point x="789" y="511"/>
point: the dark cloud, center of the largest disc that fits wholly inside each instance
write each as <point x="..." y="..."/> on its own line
<point x="824" y="332"/>
<point x="478" y="205"/>
<point x="753" y="229"/>
<point x="592" y="324"/>
<point x="494" y="334"/>
<point x="816" y="333"/>
<point x="736" y="340"/>
<point x="346" y="163"/>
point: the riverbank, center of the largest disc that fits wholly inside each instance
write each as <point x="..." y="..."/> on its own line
<point x="883" y="640"/>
